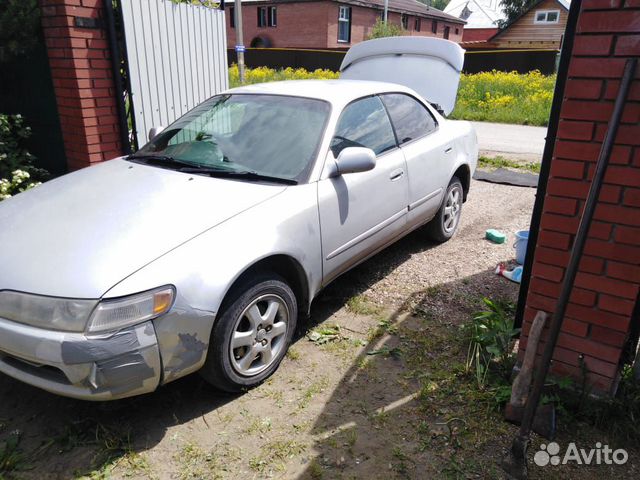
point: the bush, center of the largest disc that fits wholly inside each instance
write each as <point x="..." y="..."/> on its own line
<point x="504" y="97"/>
<point x="17" y="172"/>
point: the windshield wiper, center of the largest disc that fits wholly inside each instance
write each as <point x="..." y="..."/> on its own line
<point x="161" y="160"/>
<point x="242" y="174"/>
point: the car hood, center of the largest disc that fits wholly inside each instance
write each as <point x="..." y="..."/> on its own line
<point x="80" y="234"/>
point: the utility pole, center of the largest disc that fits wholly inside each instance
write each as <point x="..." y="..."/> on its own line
<point x="386" y="7"/>
<point x="239" y="38"/>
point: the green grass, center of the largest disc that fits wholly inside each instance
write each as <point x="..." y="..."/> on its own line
<point x="523" y="99"/>
<point x="501" y="162"/>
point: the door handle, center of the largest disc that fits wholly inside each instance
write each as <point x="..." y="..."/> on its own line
<point x="448" y="150"/>
<point x="396" y="174"/>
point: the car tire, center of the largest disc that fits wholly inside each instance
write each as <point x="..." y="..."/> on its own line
<point x="445" y="224"/>
<point x="252" y="334"/>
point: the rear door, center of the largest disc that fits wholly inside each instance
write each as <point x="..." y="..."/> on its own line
<point x="361" y="212"/>
<point x="427" y="151"/>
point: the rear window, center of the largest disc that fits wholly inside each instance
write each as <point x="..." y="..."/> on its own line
<point x="410" y="118"/>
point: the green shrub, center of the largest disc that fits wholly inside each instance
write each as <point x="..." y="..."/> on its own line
<point x="17" y="172"/>
<point x="491" y="337"/>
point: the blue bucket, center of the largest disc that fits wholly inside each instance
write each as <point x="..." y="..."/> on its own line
<point x="522" y="238"/>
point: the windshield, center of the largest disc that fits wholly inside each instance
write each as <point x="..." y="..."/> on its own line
<point x="270" y="135"/>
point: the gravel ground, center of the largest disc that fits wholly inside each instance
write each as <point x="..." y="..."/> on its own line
<point x="411" y="266"/>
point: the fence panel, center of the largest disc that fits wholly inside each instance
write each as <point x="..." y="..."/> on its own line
<point x="177" y="57"/>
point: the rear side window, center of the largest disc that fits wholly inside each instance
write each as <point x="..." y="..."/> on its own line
<point x="410" y="118"/>
<point x="364" y="123"/>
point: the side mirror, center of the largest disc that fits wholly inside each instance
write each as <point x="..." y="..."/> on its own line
<point x="153" y="131"/>
<point x="355" y="159"/>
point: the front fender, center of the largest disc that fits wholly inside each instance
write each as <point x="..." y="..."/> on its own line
<point x="204" y="269"/>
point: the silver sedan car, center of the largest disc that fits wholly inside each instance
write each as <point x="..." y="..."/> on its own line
<point x="200" y="251"/>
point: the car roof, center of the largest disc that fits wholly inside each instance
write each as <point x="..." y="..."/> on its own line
<point x="337" y="92"/>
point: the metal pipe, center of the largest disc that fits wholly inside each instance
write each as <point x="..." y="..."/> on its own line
<point x="386" y="8"/>
<point x="116" y="65"/>
<point x="239" y="38"/>
<point x="577" y="250"/>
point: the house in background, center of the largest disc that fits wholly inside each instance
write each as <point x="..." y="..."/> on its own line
<point x="482" y="17"/>
<point x="540" y="27"/>
<point x="330" y="24"/>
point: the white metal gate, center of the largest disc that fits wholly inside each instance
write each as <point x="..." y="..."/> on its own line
<point x="177" y="57"/>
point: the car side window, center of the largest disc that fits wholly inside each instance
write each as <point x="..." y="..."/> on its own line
<point x="364" y="123"/>
<point x="410" y="118"/>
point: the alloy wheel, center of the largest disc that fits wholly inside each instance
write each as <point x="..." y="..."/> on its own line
<point x="259" y="335"/>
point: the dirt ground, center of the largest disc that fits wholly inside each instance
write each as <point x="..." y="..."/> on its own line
<point x="384" y="397"/>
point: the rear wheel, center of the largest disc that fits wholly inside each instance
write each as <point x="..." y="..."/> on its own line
<point x="445" y="223"/>
<point x="252" y="335"/>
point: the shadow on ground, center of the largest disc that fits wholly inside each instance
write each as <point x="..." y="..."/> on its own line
<point x="67" y="437"/>
<point x="405" y="407"/>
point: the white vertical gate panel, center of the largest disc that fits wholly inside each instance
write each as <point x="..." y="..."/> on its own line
<point x="177" y="58"/>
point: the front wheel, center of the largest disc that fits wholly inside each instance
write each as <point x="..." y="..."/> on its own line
<point x="445" y="223"/>
<point x="252" y="335"/>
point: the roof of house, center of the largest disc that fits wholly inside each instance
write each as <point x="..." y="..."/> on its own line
<point x="399" y="6"/>
<point x="477" y="13"/>
<point x="566" y="4"/>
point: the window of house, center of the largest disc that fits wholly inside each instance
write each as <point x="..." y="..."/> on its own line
<point x="434" y="26"/>
<point x="267" y="17"/>
<point x="232" y="17"/>
<point x="416" y="25"/>
<point x="410" y="118"/>
<point x="404" y="18"/>
<point x="446" y="32"/>
<point x="262" y="16"/>
<point x="547" y="16"/>
<point x="344" y="24"/>
<point x="364" y="123"/>
<point x="273" y="18"/>
<point x="457" y="31"/>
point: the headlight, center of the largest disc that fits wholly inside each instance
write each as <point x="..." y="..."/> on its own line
<point x="53" y="313"/>
<point x="125" y="311"/>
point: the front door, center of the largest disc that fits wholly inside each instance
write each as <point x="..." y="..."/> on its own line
<point x="425" y="149"/>
<point x="361" y="212"/>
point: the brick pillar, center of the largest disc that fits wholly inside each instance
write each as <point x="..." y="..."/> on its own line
<point x="80" y="64"/>
<point x="599" y="319"/>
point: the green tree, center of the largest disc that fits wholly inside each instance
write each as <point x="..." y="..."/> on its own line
<point x="514" y="8"/>
<point x="19" y="27"/>
<point x="381" y="29"/>
<point x="437" y="4"/>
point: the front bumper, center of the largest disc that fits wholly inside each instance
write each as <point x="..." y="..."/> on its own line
<point x="105" y="367"/>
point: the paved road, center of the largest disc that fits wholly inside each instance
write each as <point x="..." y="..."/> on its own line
<point x="516" y="142"/>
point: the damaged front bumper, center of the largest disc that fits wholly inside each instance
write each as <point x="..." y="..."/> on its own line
<point x="101" y="367"/>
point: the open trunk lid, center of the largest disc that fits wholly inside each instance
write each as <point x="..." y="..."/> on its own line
<point x="430" y="66"/>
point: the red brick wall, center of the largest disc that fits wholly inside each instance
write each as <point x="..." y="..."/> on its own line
<point x="598" y="318"/>
<point x="83" y="81"/>
<point x="315" y="25"/>
<point x="300" y="25"/>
